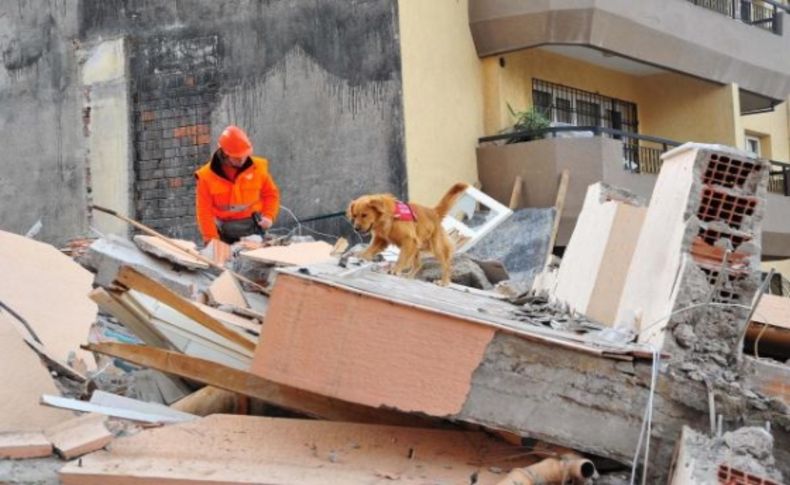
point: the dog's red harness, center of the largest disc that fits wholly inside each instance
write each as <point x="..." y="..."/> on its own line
<point x="403" y="212"/>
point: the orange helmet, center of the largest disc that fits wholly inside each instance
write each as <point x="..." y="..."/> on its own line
<point x="234" y="142"/>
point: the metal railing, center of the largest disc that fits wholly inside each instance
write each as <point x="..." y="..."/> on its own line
<point x="641" y="153"/>
<point x="765" y="14"/>
<point x="779" y="179"/>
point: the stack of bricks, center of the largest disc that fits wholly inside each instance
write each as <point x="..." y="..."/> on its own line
<point x="174" y="93"/>
<point x="695" y="269"/>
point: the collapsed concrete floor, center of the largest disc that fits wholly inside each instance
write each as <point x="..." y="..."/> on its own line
<point x="322" y="338"/>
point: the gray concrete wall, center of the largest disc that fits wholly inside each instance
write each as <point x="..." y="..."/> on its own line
<point x="540" y="164"/>
<point x="316" y="84"/>
<point x="41" y="131"/>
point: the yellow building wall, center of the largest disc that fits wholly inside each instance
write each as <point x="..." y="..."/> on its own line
<point x="773" y="127"/>
<point x="669" y="105"/>
<point x="682" y="108"/>
<point x="513" y="82"/>
<point x="781" y="266"/>
<point x="442" y="96"/>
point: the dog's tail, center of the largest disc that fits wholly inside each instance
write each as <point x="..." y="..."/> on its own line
<point x="444" y="205"/>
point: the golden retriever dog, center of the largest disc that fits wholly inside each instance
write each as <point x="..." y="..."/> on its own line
<point x="411" y="227"/>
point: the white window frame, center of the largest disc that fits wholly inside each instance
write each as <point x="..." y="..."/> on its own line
<point x="757" y="142"/>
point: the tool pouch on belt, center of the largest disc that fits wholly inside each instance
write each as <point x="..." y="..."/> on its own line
<point x="233" y="230"/>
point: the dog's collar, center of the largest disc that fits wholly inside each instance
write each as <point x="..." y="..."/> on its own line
<point x="403" y="212"/>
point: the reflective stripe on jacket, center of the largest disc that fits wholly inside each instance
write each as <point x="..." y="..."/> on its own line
<point x="219" y="198"/>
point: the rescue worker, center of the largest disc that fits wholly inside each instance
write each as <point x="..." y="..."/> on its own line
<point x="235" y="195"/>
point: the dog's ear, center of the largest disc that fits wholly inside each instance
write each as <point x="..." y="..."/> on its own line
<point x="350" y="210"/>
<point x="378" y="205"/>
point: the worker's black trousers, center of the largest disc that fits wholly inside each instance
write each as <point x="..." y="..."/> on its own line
<point x="232" y="230"/>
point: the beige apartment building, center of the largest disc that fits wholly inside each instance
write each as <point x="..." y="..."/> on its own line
<point x="620" y="82"/>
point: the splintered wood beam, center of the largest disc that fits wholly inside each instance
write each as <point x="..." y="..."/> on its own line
<point x="234" y="380"/>
<point x="131" y="278"/>
<point x="110" y="302"/>
<point x="559" y="205"/>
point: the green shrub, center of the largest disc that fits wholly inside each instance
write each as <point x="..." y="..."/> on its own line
<point x="529" y="120"/>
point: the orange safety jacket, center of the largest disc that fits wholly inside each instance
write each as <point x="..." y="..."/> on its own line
<point x="219" y="198"/>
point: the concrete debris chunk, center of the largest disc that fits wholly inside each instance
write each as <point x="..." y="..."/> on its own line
<point x="744" y="452"/>
<point x="520" y="242"/>
<point x="596" y="261"/>
<point x="107" y="255"/>
<point x="162" y="249"/>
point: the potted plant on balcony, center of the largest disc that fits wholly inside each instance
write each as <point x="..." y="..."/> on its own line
<point x="531" y="121"/>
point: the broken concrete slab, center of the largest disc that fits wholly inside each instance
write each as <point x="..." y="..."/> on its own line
<point x="296" y="254"/>
<point x="466" y="272"/>
<point x="233" y="449"/>
<point x="595" y="264"/>
<point x="21" y="445"/>
<point x="520" y="242"/>
<point x="49" y="291"/>
<point x="413" y="336"/>
<point x="226" y="290"/>
<point x="107" y="255"/>
<point x="24" y="379"/>
<point x="531" y="380"/>
<point x="163" y="250"/>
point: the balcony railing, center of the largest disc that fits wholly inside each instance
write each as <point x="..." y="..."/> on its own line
<point x="641" y="153"/>
<point x="765" y="14"/>
<point x="779" y="180"/>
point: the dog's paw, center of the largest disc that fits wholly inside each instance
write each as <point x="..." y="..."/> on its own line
<point x="442" y="283"/>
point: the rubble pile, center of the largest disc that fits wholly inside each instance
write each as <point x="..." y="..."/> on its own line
<point x="294" y="362"/>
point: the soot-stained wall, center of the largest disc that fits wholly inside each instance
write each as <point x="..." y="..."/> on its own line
<point x="316" y="84"/>
<point x="42" y="156"/>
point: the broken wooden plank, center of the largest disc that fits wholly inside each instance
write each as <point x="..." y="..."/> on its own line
<point x="49" y="290"/>
<point x="241" y="382"/>
<point x="247" y="449"/>
<point x="515" y="196"/>
<point x="247" y="324"/>
<point x="131" y="278"/>
<point x="78" y="436"/>
<point x="189" y="336"/>
<point x="21" y="445"/>
<point x="226" y="290"/>
<point x="24" y="378"/>
<point x="559" y="205"/>
<point x="110" y="303"/>
<point x="209" y="400"/>
<point x="165" y="250"/>
<point x="298" y="254"/>
<point x="88" y="407"/>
